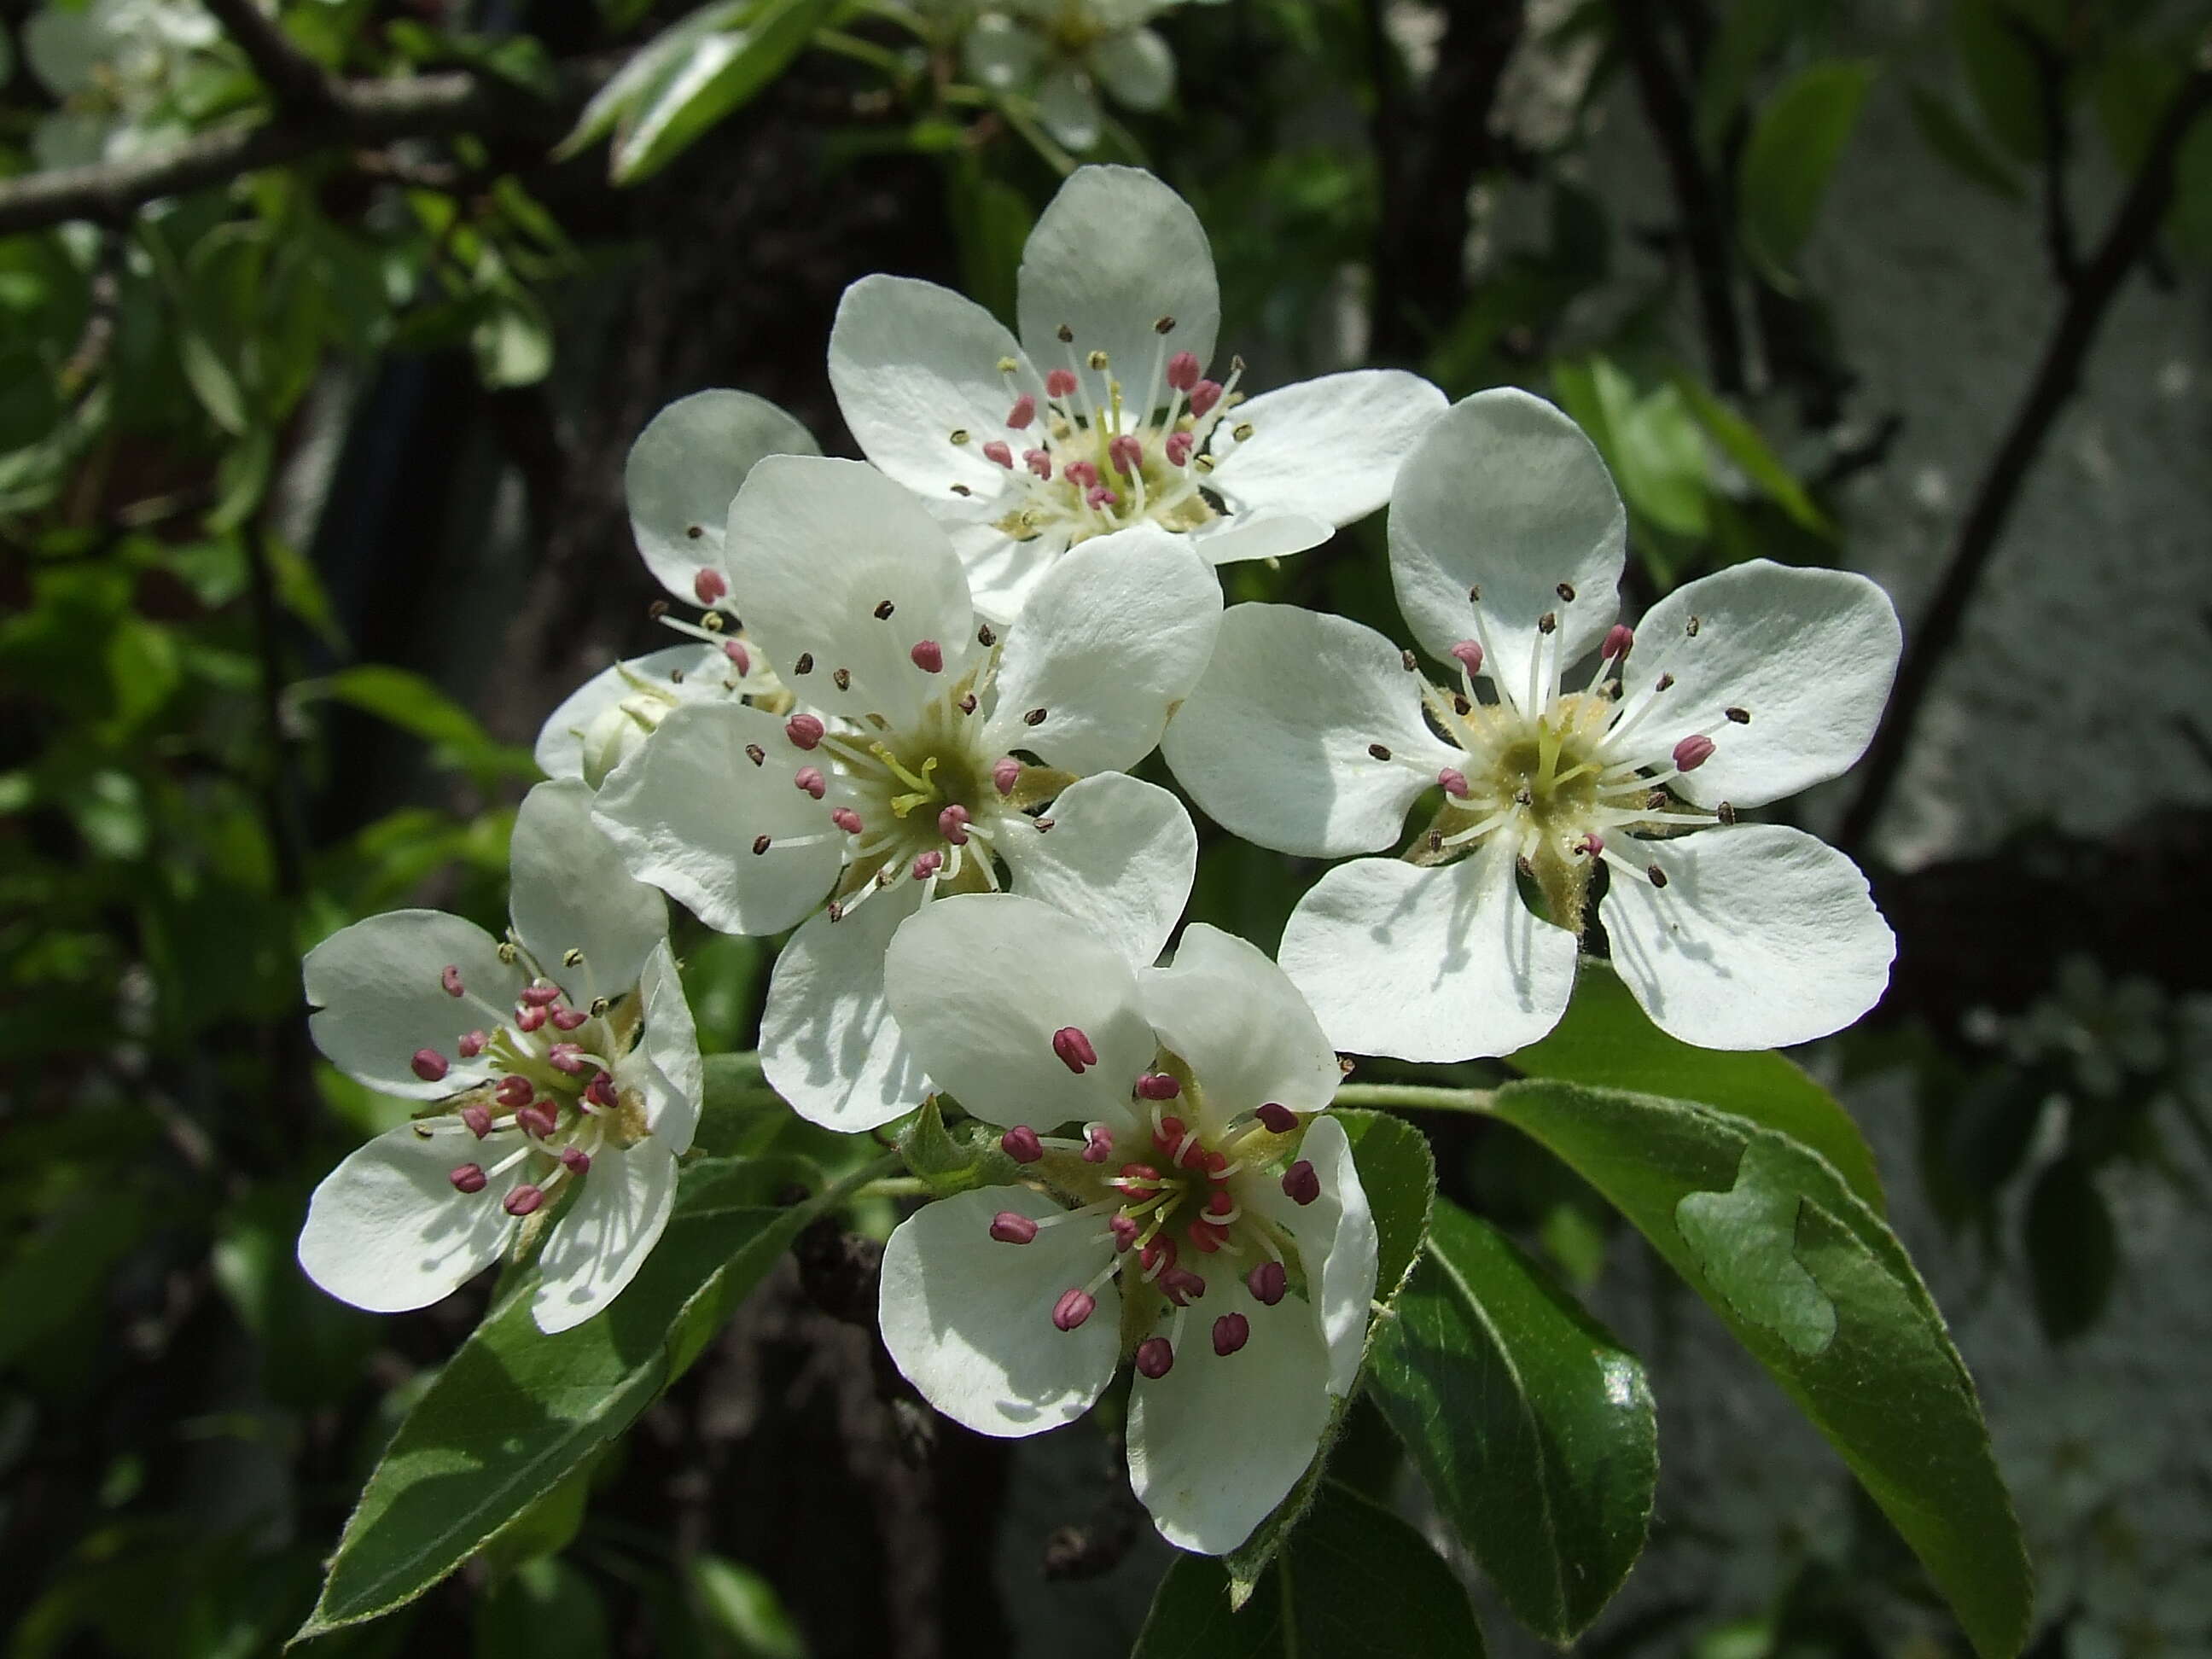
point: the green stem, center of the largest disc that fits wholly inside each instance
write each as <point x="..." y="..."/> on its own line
<point x="1018" y="118"/>
<point x="867" y="52"/>
<point x="1416" y="1097"/>
<point x="895" y="1187"/>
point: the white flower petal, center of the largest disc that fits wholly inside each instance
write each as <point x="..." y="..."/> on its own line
<point x="569" y="891"/>
<point x="1258" y="534"/>
<point x="1001" y="571"/>
<point x="378" y="998"/>
<point x="1336" y="1240"/>
<point x="1241" y="1026"/>
<point x="913" y="363"/>
<point x="1506" y="494"/>
<point x="1330" y="448"/>
<point x="1119" y="859"/>
<point x="1068" y="104"/>
<point x="649" y="681"/>
<point x="1763" y="936"/>
<point x="1274" y="743"/>
<point x="1112" y="639"/>
<point x="664" y="1066"/>
<point x="981" y="983"/>
<point x="386" y="1229"/>
<point x="685" y="471"/>
<point x="606" y="1234"/>
<point x="1000" y="54"/>
<point x="1428" y="964"/>
<point x="829" y="1044"/>
<point x="686" y="810"/>
<point x="1219" y="1440"/>
<point x="1808" y="654"/>
<point x="968" y="1320"/>
<point x="827" y="543"/>
<point x="1115" y="251"/>
<point x="1135" y="67"/>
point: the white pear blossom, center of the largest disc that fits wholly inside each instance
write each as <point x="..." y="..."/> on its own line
<point x="936" y="746"/>
<point x="1102" y="416"/>
<point x="1202" y="1216"/>
<point x="115" y="65"/>
<point x="1064" y="52"/>
<point x="683" y="472"/>
<point x="561" y="1063"/>
<point x="1314" y="735"/>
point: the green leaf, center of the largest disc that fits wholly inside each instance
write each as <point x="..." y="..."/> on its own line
<point x="1945" y="132"/>
<point x="513" y="340"/>
<point x="515" y="1411"/>
<point x="1398" y="1176"/>
<point x="1888" y="1391"/>
<point x="1355" y="1583"/>
<point x="948" y="1165"/>
<point x="545" y="1610"/>
<point x="1608" y="1039"/>
<point x="649" y="63"/>
<point x="1749" y="33"/>
<point x="2073" y="1253"/>
<point x="413" y="704"/>
<point x="2001" y="73"/>
<point x="1531" y="1425"/>
<point x="712" y="79"/>
<point x="1742" y="442"/>
<point x="742" y="1607"/>
<point x="1746" y="1242"/>
<point x="1794" y="144"/>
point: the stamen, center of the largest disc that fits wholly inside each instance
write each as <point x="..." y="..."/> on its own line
<point x="1280" y="1119"/>
<point x="513" y="1091"/>
<point x="1097" y="1142"/>
<point x="736" y="652"/>
<point x="539" y="995"/>
<point x="428" y="1065"/>
<point x="803" y="731"/>
<point x="810" y="779"/>
<point x="1074" y="1307"/>
<point x="1157" y="1085"/>
<point x="1178" y="447"/>
<point x="1000" y="451"/>
<point x="1268" y="1282"/>
<point x="468" y="1178"/>
<point x="952" y="824"/>
<point x="1618" y="639"/>
<point x="575" y="1160"/>
<point x="1038" y="461"/>
<point x="1301" y="1183"/>
<point x="1693" y="752"/>
<point x="756" y="754"/>
<point x="928" y="656"/>
<point x="1155" y="1358"/>
<point x="1231" y="1332"/>
<point x="601" y="1091"/>
<point x="536" y="1122"/>
<point x="1469" y="655"/>
<point x="926" y="865"/>
<point x="1180" y="1285"/>
<point x="709" y="585"/>
<point x="477" y="1118"/>
<point x="1012" y="1227"/>
<point x="1127" y="453"/>
<point x="568" y="1019"/>
<point x="450" y="980"/>
<point x="1022" y="412"/>
<point x="1006" y="773"/>
<point x="1658" y="876"/>
<point x="1183" y="371"/>
<point x="523" y="1199"/>
<point x="1021" y="1144"/>
<point x="1059" y="383"/>
<point x="1203" y="396"/>
<point x="1074" y="1050"/>
<point x="1124" y="1230"/>
<point x="471" y="1043"/>
<point x="1453" y="782"/>
<point x="566" y="1057"/>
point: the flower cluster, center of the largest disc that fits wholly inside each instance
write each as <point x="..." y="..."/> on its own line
<point x="903" y="726"/>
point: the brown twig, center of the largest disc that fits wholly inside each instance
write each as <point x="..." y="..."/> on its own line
<point x="2056" y="377"/>
<point x="1705" y="215"/>
<point x="360" y="113"/>
<point x="300" y="84"/>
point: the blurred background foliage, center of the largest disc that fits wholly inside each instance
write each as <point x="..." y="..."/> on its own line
<point x="323" y="332"/>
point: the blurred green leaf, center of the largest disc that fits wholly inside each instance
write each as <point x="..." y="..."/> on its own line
<point x="2073" y="1249"/>
<point x="413" y="704"/>
<point x="1355" y="1582"/>
<point x="545" y="1609"/>
<point x="1794" y="144"/>
<point x="1888" y="1392"/>
<point x="515" y="1411"/>
<point x="1742" y="443"/>
<point x="742" y="1607"/>
<point x="2001" y="72"/>
<point x="1531" y="1427"/>
<point x="649" y="63"/>
<point x="1608" y="1040"/>
<point x="1749" y="34"/>
<point x="1945" y="132"/>
<point x="715" y="77"/>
